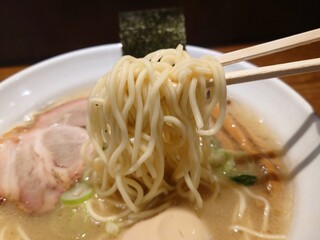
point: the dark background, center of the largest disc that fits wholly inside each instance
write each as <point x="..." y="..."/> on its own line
<point x="33" y="30"/>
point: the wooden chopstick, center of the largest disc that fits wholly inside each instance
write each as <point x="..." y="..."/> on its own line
<point x="270" y="47"/>
<point x="278" y="70"/>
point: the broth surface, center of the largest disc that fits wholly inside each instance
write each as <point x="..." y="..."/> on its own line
<point x="243" y="131"/>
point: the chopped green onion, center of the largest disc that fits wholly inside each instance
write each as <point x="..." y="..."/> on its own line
<point x="214" y="144"/>
<point x="217" y="156"/>
<point x="78" y="194"/>
<point x="225" y="161"/>
<point x="112" y="228"/>
<point x="244" y="179"/>
<point x="229" y="165"/>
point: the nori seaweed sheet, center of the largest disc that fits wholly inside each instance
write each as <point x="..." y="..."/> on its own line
<point x="142" y="32"/>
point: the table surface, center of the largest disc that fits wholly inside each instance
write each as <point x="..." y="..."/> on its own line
<point x="307" y="85"/>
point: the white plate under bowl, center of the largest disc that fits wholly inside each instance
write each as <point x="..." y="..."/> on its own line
<point x="288" y="114"/>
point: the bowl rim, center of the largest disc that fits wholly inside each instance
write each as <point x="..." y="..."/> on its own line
<point x="300" y="103"/>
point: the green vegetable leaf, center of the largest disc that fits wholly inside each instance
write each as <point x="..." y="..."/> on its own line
<point x="244" y="179"/>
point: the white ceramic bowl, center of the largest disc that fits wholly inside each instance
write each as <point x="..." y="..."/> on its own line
<point x="287" y="113"/>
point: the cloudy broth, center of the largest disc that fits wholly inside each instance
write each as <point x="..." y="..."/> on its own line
<point x="224" y="211"/>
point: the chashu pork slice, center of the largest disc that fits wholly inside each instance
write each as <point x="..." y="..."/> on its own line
<point x="39" y="167"/>
<point x="69" y="113"/>
<point x="8" y="181"/>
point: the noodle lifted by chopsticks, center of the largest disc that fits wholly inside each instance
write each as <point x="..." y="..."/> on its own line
<point x="149" y="119"/>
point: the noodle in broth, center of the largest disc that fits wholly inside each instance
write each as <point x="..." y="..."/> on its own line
<point x="152" y="147"/>
<point x="227" y="207"/>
